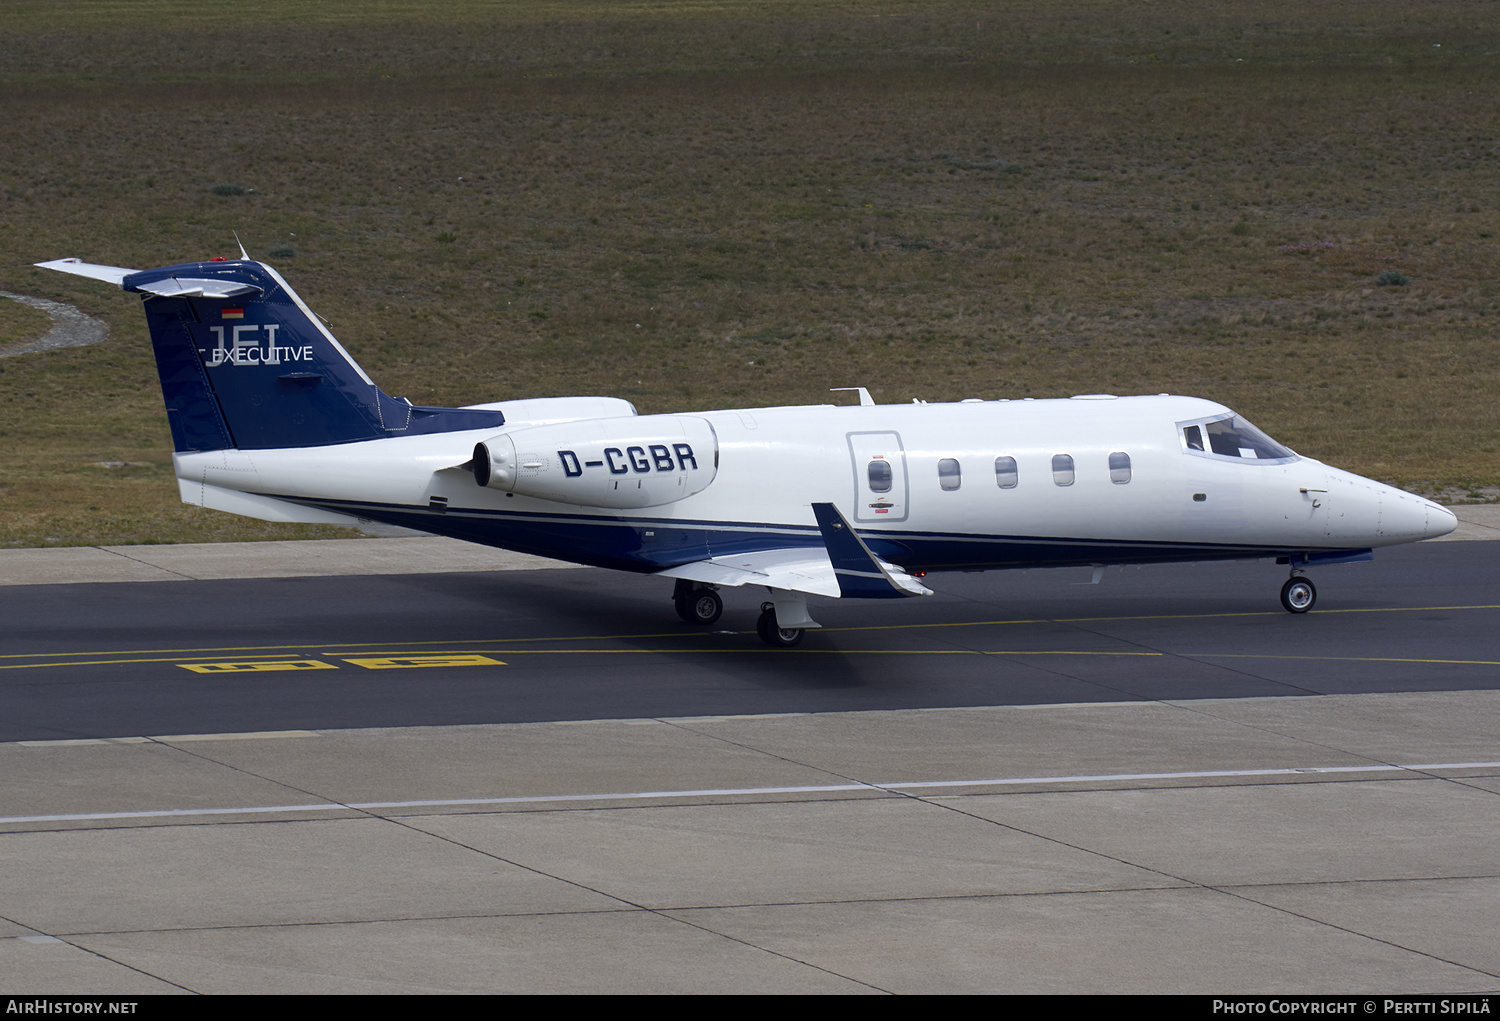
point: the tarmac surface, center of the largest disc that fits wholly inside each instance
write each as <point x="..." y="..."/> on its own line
<point x="1162" y="783"/>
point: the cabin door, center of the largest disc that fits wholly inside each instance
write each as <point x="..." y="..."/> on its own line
<point x="880" y="485"/>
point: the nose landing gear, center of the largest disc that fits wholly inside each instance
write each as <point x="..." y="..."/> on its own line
<point x="1298" y="594"/>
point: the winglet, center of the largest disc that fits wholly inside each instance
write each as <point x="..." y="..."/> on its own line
<point x="861" y="573"/>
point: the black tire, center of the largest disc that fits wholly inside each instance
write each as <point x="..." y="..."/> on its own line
<point x="1298" y="595"/>
<point x="701" y="606"/>
<point x="776" y="637"/>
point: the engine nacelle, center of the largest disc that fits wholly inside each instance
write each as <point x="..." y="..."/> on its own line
<point x="551" y="410"/>
<point x="612" y="462"/>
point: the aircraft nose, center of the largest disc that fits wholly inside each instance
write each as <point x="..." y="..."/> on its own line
<point x="1407" y="518"/>
<point x="1440" y="521"/>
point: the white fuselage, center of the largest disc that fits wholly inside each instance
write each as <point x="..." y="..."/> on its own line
<point x="928" y="486"/>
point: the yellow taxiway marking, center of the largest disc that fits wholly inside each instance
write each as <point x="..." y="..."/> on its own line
<point x="275" y="657"/>
<point x="257" y="666"/>
<point x="396" y="661"/>
<point x="270" y="650"/>
<point x="1338" y="659"/>
<point x="758" y="649"/>
<point x="259" y="658"/>
<point x="1272" y="613"/>
<point x="408" y="662"/>
<point x="982" y="652"/>
<point x="1148" y="616"/>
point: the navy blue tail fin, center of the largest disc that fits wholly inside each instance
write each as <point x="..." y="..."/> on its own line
<point x="245" y="364"/>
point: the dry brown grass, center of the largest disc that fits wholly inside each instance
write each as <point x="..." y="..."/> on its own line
<point x="1094" y="197"/>
<point x="20" y="323"/>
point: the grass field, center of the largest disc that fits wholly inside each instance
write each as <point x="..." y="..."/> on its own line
<point x="718" y="204"/>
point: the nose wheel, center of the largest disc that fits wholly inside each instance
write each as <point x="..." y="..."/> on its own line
<point x="1298" y="595"/>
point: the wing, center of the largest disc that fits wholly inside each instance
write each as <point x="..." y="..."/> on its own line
<point x="795" y="570"/>
<point x="843" y="566"/>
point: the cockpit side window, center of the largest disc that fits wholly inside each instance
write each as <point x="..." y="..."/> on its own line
<point x="1235" y="437"/>
<point x="1232" y="436"/>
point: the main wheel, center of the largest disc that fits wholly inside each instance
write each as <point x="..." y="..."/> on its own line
<point x="774" y="636"/>
<point x="701" y="606"/>
<point x="1298" y="595"/>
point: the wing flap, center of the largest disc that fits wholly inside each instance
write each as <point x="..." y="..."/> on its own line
<point x="795" y="570"/>
<point x="843" y="567"/>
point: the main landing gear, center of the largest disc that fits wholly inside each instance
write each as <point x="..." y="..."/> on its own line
<point x="1298" y="594"/>
<point x="772" y="633"/>
<point x="696" y="604"/>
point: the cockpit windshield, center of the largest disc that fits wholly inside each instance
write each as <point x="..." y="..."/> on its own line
<point x="1231" y="436"/>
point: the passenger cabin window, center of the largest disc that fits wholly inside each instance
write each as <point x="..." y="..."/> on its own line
<point x="880" y="476"/>
<point x="1062" y="469"/>
<point x="1119" y="467"/>
<point x="948" y="474"/>
<point x="1005" y="472"/>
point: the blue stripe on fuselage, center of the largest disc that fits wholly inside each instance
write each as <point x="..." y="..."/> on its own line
<point x="645" y="546"/>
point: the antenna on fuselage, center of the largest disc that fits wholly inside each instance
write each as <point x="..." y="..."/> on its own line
<point x="865" y="400"/>
<point x="243" y="254"/>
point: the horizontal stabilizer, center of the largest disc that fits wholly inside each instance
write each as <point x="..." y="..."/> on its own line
<point x="113" y="274"/>
<point x="187" y="287"/>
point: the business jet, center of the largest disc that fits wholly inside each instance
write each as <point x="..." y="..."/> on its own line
<point x="271" y="418"/>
